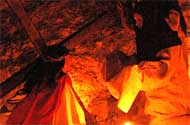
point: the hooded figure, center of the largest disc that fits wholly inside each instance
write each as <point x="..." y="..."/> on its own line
<point x="161" y="70"/>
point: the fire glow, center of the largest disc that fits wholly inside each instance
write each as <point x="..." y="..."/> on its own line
<point x="127" y="123"/>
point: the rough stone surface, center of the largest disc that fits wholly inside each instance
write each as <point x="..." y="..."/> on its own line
<point x="56" y="21"/>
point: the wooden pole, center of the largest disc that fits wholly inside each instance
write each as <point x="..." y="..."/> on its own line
<point x="34" y="36"/>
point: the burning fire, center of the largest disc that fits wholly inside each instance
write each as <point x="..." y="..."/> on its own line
<point x="127" y="123"/>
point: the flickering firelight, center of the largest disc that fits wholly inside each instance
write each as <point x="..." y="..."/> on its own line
<point x="127" y="123"/>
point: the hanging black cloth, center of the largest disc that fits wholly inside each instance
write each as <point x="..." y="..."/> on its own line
<point x="155" y="33"/>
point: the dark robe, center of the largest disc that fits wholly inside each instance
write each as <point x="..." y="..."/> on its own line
<point x="155" y="34"/>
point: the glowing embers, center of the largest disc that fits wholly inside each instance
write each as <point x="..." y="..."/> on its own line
<point x="128" y="123"/>
<point x="132" y="123"/>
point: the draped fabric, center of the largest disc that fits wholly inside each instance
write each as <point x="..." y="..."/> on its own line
<point x="166" y="84"/>
<point x="58" y="107"/>
<point x="69" y="110"/>
<point x="162" y="70"/>
<point x="125" y="87"/>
